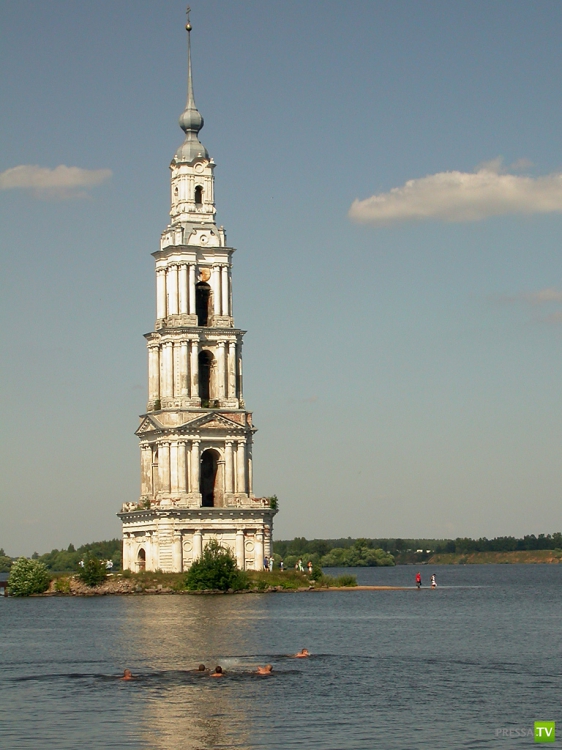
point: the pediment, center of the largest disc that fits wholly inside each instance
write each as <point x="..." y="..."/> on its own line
<point x="214" y="422"/>
<point x="148" y="424"/>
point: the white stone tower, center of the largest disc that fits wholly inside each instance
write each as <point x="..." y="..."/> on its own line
<point x="196" y="436"/>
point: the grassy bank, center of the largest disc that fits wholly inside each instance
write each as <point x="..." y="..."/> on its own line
<point x="486" y="558"/>
<point x="166" y="583"/>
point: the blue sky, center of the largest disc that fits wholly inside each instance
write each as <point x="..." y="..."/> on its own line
<point x="403" y="363"/>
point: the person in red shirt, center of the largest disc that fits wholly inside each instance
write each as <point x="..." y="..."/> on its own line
<point x="418" y="580"/>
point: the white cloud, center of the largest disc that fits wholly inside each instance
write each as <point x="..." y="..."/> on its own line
<point x="543" y="296"/>
<point x="549" y="297"/>
<point x="462" y="196"/>
<point x="61" y="182"/>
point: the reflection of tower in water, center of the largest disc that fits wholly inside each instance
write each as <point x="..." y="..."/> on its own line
<point x="173" y="634"/>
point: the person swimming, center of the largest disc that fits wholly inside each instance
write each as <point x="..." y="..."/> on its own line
<point x="268" y="669"/>
<point x="127" y="675"/>
<point x="201" y="668"/>
<point x="302" y="654"/>
<point x="218" y="672"/>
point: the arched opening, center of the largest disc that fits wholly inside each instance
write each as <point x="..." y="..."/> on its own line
<point x="202" y="301"/>
<point x="208" y="480"/>
<point x="141" y="559"/>
<point x="198" y="195"/>
<point x="205" y="366"/>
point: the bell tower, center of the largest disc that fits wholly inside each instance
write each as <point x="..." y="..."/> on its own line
<point x="196" y="435"/>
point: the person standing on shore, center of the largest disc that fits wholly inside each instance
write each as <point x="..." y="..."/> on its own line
<point x="433" y="582"/>
<point x="418" y="580"/>
<point x="281" y="566"/>
<point x="271" y="561"/>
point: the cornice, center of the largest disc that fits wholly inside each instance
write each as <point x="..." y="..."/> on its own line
<point x="196" y="515"/>
<point x="199" y="330"/>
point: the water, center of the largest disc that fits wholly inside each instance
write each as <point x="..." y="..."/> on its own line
<point x="390" y="669"/>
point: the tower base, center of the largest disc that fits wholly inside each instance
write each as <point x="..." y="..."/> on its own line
<point x="171" y="540"/>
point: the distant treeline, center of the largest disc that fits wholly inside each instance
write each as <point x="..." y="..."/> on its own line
<point x="66" y="560"/>
<point x="501" y="544"/>
<point x="345" y="552"/>
<point x="352" y="552"/>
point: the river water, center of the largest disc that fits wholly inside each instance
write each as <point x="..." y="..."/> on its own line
<point x="463" y="666"/>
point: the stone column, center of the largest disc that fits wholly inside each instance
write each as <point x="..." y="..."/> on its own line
<point x="153" y="373"/>
<point x="182" y="468"/>
<point x="195" y="461"/>
<point x="194" y="370"/>
<point x="250" y="469"/>
<point x="172" y="284"/>
<point x="224" y="289"/>
<point x="231" y="370"/>
<point x="267" y="542"/>
<point x="240" y="556"/>
<point x="216" y="287"/>
<point x="258" y="554"/>
<point x="221" y="369"/>
<point x="155" y="550"/>
<point x="177" y="561"/>
<point x="146" y="469"/>
<point x="182" y="289"/>
<point x="197" y="545"/>
<point x="241" y="466"/>
<point x="239" y="367"/>
<point x="126" y="552"/>
<point x="161" y="293"/>
<point x="183" y="369"/>
<point x="148" y="554"/>
<point x="177" y="369"/>
<point x="191" y="289"/>
<point x="229" y="467"/>
<point x="167" y="369"/>
<point x="164" y="466"/>
<point x="173" y="467"/>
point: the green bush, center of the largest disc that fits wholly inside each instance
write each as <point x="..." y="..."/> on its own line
<point x="316" y="572"/>
<point x="5" y="562"/>
<point x="215" y="570"/>
<point x="28" y="577"/>
<point x="346" y="580"/>
<point x="62" y="585"/>
<point x="93" y="572"/>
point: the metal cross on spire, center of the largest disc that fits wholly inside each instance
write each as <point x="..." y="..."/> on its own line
<point x="188" y="24"/>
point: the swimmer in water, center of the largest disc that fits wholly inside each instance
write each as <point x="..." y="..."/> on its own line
<point x="302" y="654"/>
<point x="201" y="668"/>
<point x="268" y="669"/>
<point x="218" y="672"/>
<point x="127" y="675"/>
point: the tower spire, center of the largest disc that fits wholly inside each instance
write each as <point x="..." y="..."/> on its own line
<point x="190" y="120"/>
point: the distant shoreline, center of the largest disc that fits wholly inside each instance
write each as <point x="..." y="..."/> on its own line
<point x="527" y="557"/>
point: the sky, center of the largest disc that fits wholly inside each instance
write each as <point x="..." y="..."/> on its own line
<point x="391" y="176"/>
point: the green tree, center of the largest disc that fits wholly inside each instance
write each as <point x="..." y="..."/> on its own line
<point x="215" y="570"/>
<point x="93" y="572"/>
<point x="28" y="577"/>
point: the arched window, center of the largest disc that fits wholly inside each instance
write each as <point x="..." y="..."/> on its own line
<point x="202" y="301"/>
<point x="141" y="559"/>
<point x="198" y="195"/>
<point x="205" y="365"/>
<point x="209" y="466"/>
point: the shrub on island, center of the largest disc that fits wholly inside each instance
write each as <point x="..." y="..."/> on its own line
<point x="93" y="571"/>
<point x="216" y="570"/>
<point x="28" y="577"/>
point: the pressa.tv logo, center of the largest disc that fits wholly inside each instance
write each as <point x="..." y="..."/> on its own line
<point x="545" y="731"/>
